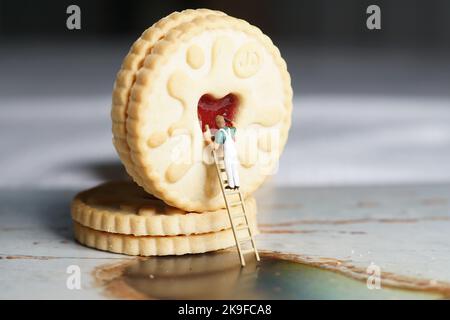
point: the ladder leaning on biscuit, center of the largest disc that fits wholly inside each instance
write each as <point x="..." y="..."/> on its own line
<point x="242" y="232"/>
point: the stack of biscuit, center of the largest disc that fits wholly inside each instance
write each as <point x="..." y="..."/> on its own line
<point x="175" y="204"/>
<point x="121" y="217"/>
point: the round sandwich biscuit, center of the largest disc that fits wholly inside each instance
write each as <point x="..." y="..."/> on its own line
<point x="124" y="207"/>
<point x="157" y="245"/>
<point x="206" y="65"/>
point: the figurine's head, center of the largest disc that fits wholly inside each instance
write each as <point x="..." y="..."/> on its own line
<point x="220" y="121"/>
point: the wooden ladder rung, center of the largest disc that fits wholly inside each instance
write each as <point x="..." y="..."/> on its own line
<point x="235" y="204"/>
<point x="231" y="192"/>
<point x="242" y="227"/>
<point x="238" y="216"/>
<point x="237" y="212"/>
<point x="245" y="239"/>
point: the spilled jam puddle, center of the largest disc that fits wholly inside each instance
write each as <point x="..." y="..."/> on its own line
<point x="218" y="275"/>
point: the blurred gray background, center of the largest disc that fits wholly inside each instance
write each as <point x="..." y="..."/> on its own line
<point x="371" y="106"/>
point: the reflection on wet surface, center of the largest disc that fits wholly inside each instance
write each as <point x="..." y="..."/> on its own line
<point x="219" y="276"/>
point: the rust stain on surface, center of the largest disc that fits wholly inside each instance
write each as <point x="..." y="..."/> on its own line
<point x="110" y="277"/>
<point x="367" y="204"/>
<point x="31" y="228"/>
<point x="353" y="221"/>
<point x="435" y="201"/>
<point x="286" y="231"/>
<point x="27" y="257"/>
<point x="290" y="231"/>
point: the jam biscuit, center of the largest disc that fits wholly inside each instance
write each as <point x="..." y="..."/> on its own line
<point x="216" y="58"/>
<point x="123" y="207"/>
<point x="127" y="75"/>
<point x="155" y="245"/>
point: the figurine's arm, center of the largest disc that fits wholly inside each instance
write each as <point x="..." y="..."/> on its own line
<point x="208" y="137"/>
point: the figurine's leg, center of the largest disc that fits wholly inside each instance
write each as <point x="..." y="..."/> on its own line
<point x="234" y="168"/>
<point x="229" y="172"/>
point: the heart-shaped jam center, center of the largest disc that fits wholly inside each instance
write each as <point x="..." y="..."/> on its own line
<point x="209" y="107"/>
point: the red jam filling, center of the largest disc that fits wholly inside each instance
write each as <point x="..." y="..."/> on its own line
<point x="209" y="107"/>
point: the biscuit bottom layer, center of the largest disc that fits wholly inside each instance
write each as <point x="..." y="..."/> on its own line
<point x="155" y="245"/>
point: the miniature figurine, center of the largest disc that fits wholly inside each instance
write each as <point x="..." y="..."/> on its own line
<point x="225" y="136"/>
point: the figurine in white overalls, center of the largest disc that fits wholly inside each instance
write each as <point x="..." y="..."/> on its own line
<point x="225" y="136"/>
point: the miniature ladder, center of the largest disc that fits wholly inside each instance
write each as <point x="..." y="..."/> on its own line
<point x="227" y="195"/>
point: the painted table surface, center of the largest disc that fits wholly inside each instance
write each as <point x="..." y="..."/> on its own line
<point x="363" y="178"/>
<point x="403" y="230"/>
